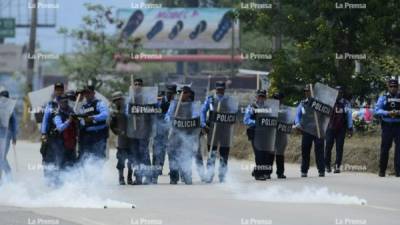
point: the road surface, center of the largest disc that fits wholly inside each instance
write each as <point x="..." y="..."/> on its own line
<point x="346" y="198"/>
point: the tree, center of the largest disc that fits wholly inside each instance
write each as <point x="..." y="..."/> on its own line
<point x="318" y="31"/>
<point x="96" y="50"/>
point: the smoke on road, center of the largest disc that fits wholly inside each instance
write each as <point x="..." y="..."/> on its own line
<point x="279" y="193"/>
<point x="83" y="187"/>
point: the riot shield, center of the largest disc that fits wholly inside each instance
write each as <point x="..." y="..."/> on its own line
<point x="222" y="117"/>
<point x="6" y="109"/>
<point x="317" y="110"/>
<point x="186" y="126"/>
<point x="286" y="117"/>
<point x="118" y="123"/>
<point x="38" y="100"/>
<point x="142" y="108"/>
<point x="266" y="117"/>
<point x="187" y="120"/>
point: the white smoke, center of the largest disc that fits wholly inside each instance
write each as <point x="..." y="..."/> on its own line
<point x="279" y="193"/>
<point x="83" y="187"/>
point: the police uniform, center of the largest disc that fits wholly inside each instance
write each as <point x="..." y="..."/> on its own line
<point x="12" y="133"/>
<point x="139" y="139"/>
<point x="198" y="155"/>
<point x="51" y="150"/>
<point x="161" y="138"/>
<point x="93" y="134"/>
<point x="280" y="147"/>
<point x="306" y="144"/>
<point x="390" y="128"/>
<point x="118" y="125"/>
<point x="263" y="159"/>
<point x="341" y="121"/>
<point x="182" y="143"/>
<point x="223" y="151"/>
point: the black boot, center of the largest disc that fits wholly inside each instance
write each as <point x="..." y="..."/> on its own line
<point x="121" y="177"/>
<point x="337" y="169"/>
<point x="130" y="172"/>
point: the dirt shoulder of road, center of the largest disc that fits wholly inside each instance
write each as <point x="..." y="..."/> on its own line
<point x="361" y="152"/>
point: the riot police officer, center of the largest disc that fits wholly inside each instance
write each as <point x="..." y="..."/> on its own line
<point x="49" y="110"/>
<point x="263" y="158"/>
<point x="219" y="129"/>
<point x="308" y="139"/>
<point x="118" y="125"/>
<point x="161" y="138"/>
<point x="198" y="155"/>
<point x="341" y="122"/>
<point x="8" y="135"/>
<point x="93" y="133"/>
<point x="54" y="158"/>
<point x="388" y="109"/>
<point x="140" y="129"/>
<point x="184" y="136"/>
<point x="286" y="117"/>
<point x="48" y="136"/>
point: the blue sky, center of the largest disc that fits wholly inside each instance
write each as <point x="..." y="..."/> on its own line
<point x="69" y="15"/>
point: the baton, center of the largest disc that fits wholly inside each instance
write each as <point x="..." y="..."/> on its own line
<point x="15" y="158"/>
<point x="214" y="130"/>
<point x="76" y="102"/>
<point x="315" y="114"/>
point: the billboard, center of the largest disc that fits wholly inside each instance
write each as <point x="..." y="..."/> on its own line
<point x="180" y="28"/>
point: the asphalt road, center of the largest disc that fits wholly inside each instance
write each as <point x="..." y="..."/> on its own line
<point x="346" y="198"/>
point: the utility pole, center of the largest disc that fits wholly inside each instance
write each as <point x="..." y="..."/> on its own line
<point x="233" y="45"/>
<point x="277" y="38"/>
<point x="32" y="45"/>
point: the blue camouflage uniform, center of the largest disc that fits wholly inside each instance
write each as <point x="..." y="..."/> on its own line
<point x="263" y="159"/>
<point x="390" y="130"/>
<point x="223" y="151"/>
<point x="161" y="138"/>
<point x="51" y="150"/>
<point x="93" y="136"/>
<point x="181" y="152"/>
<point x="11" y="133"/>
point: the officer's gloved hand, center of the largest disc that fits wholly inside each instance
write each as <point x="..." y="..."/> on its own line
<point x="297" y="129"/>
<point x="43" y="138"/>
<point x="204" y="129"/>
<point x="88" y="119"/>
<point x="393" y="113"/>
